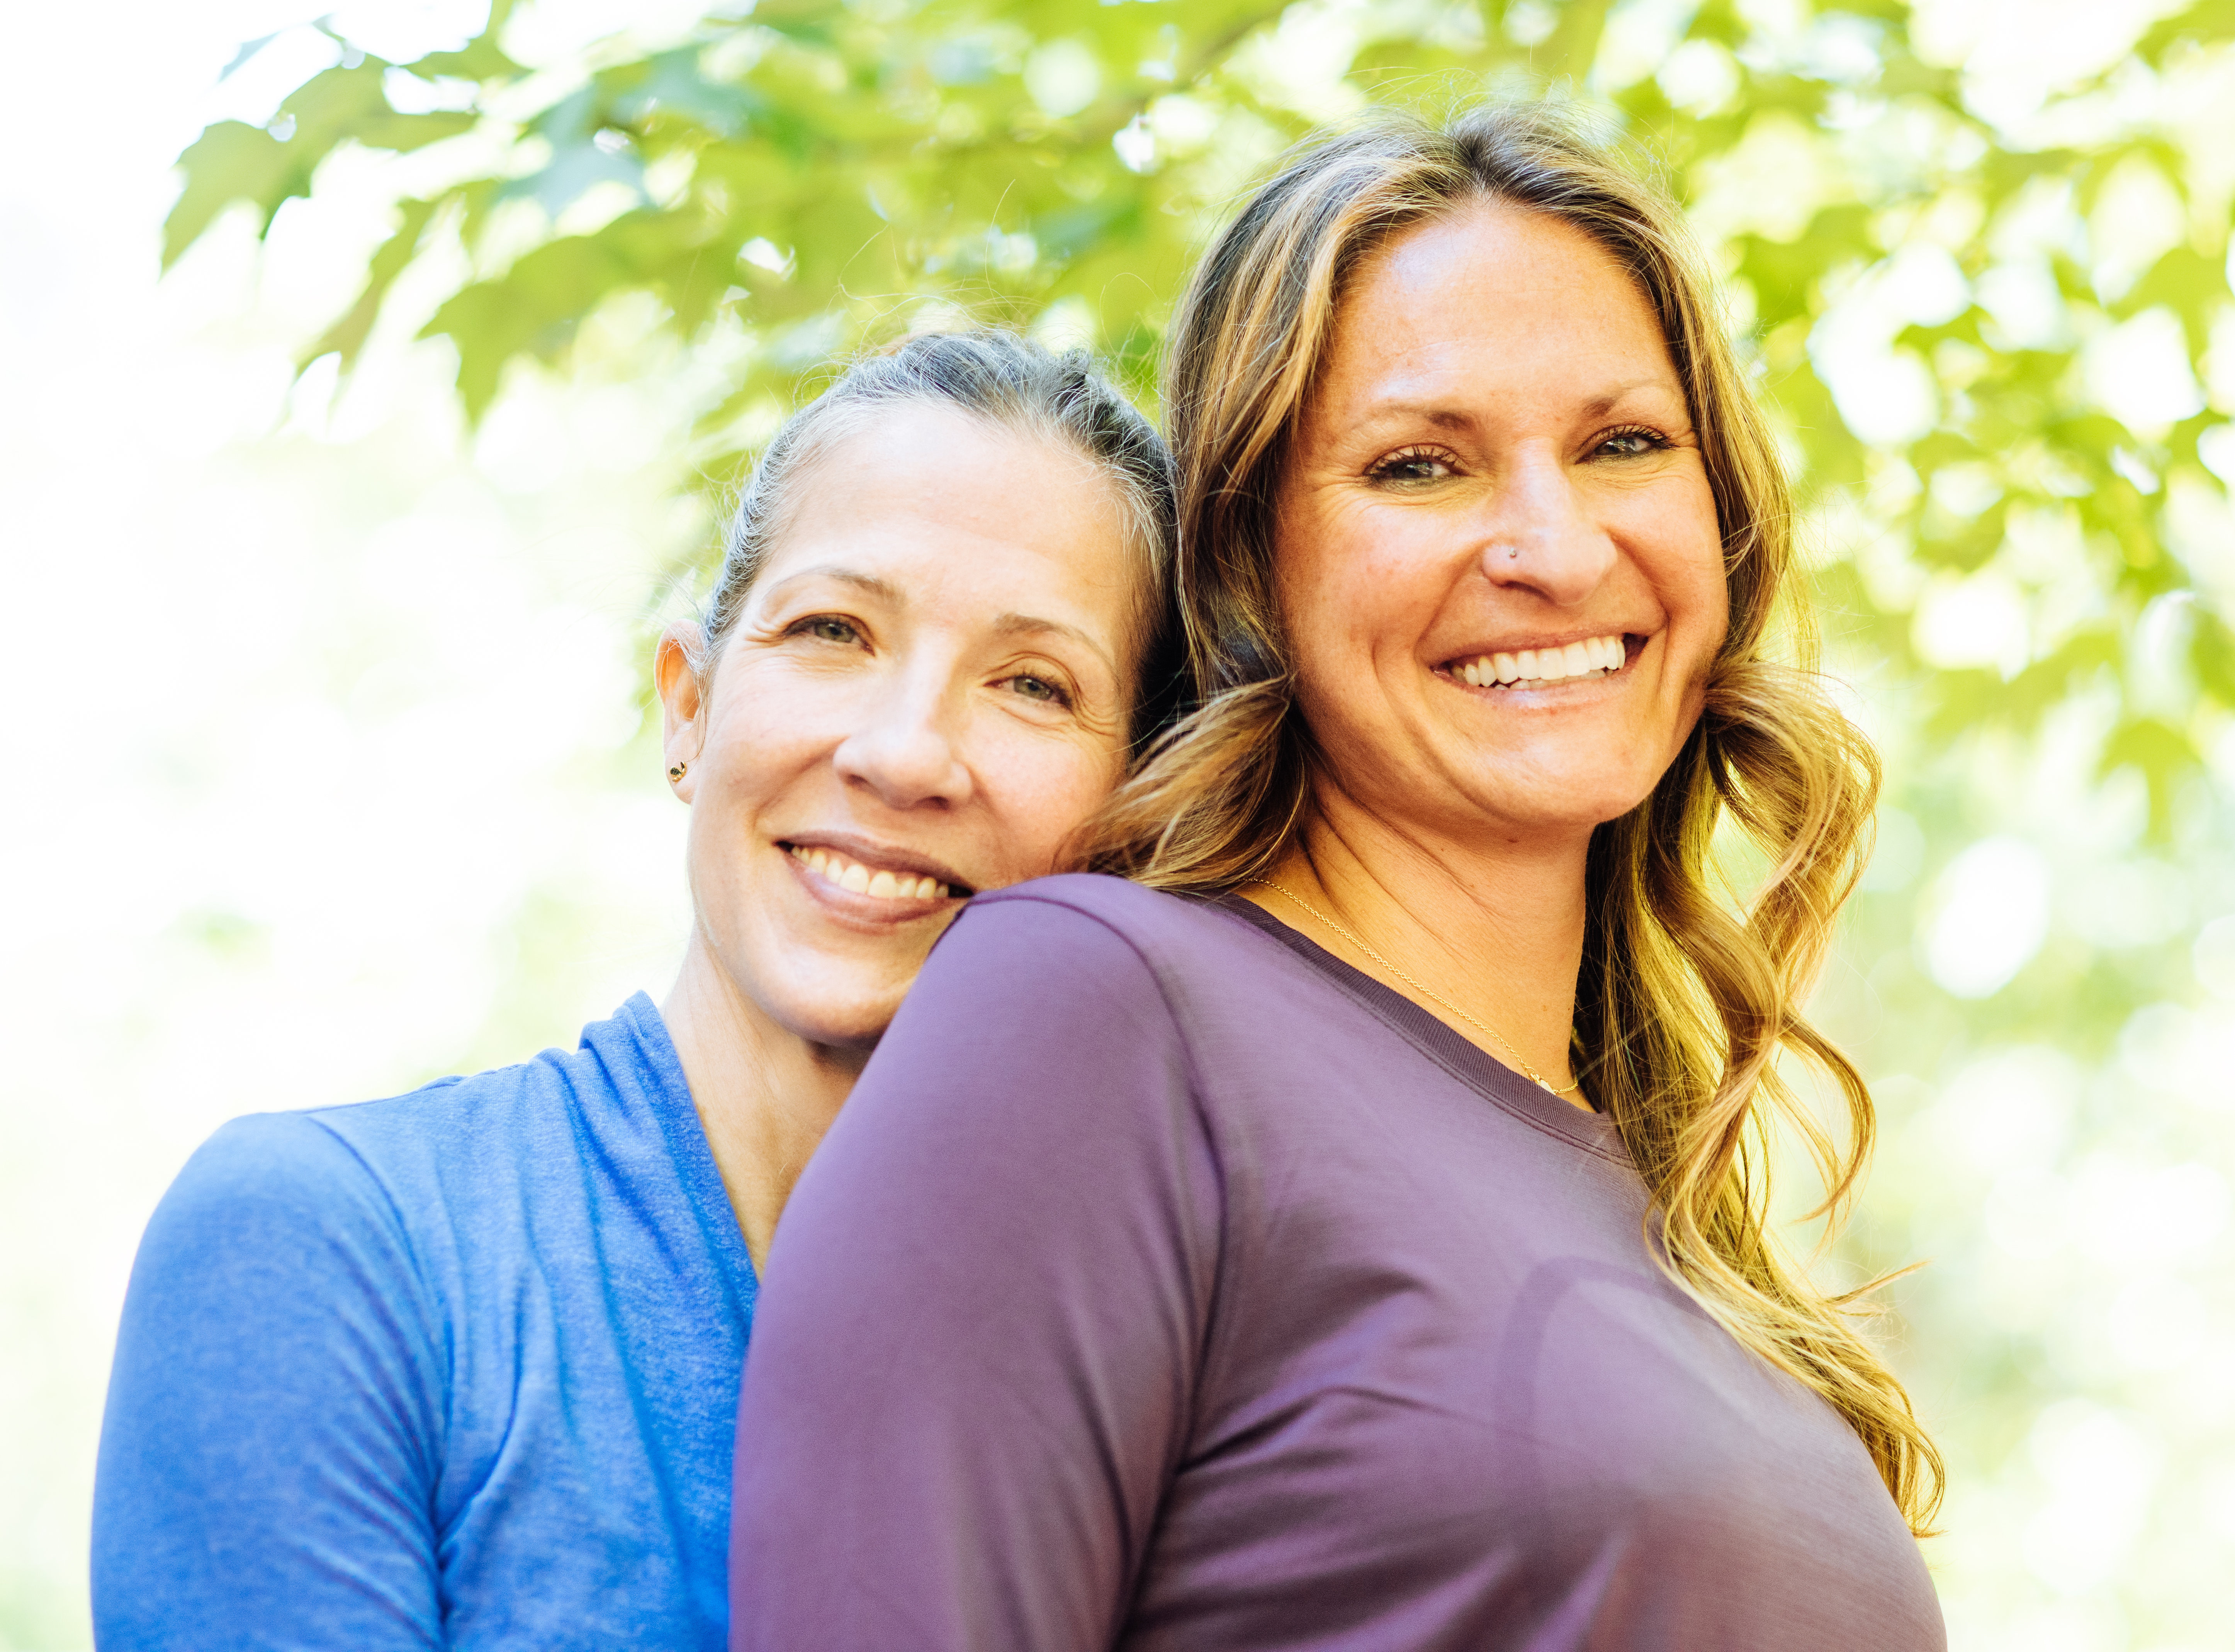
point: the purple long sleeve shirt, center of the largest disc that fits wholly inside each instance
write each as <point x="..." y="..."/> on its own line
<point x="1167" y="1284"/>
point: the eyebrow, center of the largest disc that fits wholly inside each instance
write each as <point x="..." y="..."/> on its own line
<point x="1445" y="417"/>
<point x="1009" y="624"/>
<point x="863" y="582"/>
<point x="1032" y="624"/>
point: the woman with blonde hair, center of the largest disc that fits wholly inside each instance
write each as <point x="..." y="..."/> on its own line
<point x="1352" y="1231"/>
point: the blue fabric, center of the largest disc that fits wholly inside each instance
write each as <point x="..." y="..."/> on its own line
<point x="458" y="1368"/>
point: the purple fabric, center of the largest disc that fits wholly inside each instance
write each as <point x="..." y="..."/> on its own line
<point x="1167" y="1284"/>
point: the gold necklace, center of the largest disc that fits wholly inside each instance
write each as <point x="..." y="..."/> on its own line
<point x="1529" y="1072"/>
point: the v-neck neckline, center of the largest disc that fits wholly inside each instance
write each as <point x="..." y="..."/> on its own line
<point x="1449" y="1049"/>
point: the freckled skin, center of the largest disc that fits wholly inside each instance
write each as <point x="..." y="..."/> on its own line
<point x="1496" y="381"/>
<point x="1496" y="455"/>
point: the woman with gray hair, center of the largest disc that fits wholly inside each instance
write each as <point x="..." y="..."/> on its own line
<point x="459" y="1368"/>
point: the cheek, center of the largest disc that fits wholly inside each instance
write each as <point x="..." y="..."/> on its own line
<point x="1680" y="550"/>
<point x="1308" y="566"/>
<point x="762" y="733"/>
<point x="1363" y="602"/>
<point x="1716" y="596"/>
<point x="1038" y="792"/>
<point x="1704" y="591"/>
<point x="1346" y="581"/>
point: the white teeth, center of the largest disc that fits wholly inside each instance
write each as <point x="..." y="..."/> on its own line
<point x="880" y="884"/>
<point x="1589" y="655"/>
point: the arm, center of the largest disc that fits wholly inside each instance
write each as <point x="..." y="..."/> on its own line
<point x="972" y="1365"/>
<point x="268" y="1456"/>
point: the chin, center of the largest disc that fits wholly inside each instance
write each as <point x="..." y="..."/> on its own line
<point x="845" y="1019"/>
<point x="1548" y="824"/>
<point x="1559" y="802"/>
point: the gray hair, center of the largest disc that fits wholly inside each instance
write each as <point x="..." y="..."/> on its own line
<point x="1011" y="383"/>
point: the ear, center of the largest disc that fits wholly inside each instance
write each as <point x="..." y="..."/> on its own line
<point x="683" y="731"/>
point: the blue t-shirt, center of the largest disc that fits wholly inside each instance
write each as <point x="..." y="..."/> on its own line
<point x="458" y="1368"/>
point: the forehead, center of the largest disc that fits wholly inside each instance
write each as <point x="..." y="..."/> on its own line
<point x="1496" y="298"/>
<point x="937" y="501"/>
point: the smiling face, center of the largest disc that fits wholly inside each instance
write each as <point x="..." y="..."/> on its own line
<point x="925" y="693"/>
<point x="1497" y="552"/>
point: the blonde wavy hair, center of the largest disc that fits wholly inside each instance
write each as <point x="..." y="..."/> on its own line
<point x="1685" y="1000"/>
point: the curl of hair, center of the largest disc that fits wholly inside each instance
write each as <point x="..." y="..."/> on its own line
<point x="1682" y="1004"/>
<point x="1009" y="384"/>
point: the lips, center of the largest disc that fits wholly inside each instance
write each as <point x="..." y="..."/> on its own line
<point x="1589" y="656"/>
<point x="856" y="877"/>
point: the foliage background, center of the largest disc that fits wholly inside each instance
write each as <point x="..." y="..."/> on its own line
<point x="332" y="554"/>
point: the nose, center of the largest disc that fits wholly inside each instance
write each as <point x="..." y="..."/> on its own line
<point x="1542" y="539"/>
<point x="904" y="749"/>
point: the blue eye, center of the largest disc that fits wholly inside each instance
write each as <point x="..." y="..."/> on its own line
<point x="1632" y="444"/>
<point x="1417" y="465"/>
<point x="1040" y="689"/>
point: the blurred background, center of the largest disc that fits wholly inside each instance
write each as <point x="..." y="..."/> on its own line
<point x="349" y="468"/>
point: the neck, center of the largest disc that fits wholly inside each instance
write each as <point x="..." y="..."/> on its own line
<point x="766" y="1095"/>
<point x="1493" y="928"/>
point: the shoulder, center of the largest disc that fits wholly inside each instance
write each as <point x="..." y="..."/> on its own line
<point x="1115" y="902"/>
<point x="340" y="1170"/>
<point x="467" y="1137"/>
<point x="1054" y="967"/>
<point x="272" y="1163"/>
<point x="387" y="1164"/>
<point x="369" y="1201"/>
<point x="1088" y="913"/>
<point x="472" y="1107"/>
<point x="1103" y="933"/>
<point x="273" y="1217"/>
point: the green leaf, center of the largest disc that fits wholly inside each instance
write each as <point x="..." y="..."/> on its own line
<point x="479" y="59"/>
<point x="230" y="161"/>
<point x="2201" y="24"/>
<point x="2192" y="285"/>
<point x="347" y="334"/>
<point x="2161" y="753"/>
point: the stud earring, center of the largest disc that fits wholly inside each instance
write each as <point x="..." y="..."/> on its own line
<point x="675" y="771"/>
